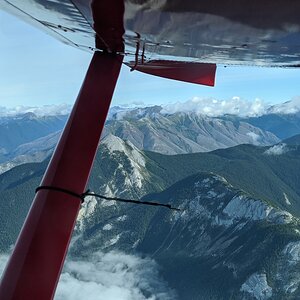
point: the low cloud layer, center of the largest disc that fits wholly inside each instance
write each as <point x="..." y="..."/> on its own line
<point x="205" y="106"/>
<point x="288" y="107"/>
<point x="110" y="276"/>
<point x="214" y="108"/>
<point x="277" y="150"/>
<point x="255" y="137"/>
<point x="45" y="110"/>
<point x="234" y="106"/>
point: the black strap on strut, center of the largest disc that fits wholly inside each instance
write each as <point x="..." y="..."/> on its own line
<point x="88" y="193"/>
<point x="58" y="189"/>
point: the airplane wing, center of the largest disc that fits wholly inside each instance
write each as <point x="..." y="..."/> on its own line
<point x="239" y="32"/>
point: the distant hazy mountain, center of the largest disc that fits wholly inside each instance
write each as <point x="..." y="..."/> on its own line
<point x="282" y="125"/>
<point x="35" y="151"/>
<point x="146" y="128"/>
<point x="20" y="129"/>
<point x="282" y="119"/>
<point x="169" y="130"/>
<point x="294" y="140"/>
<point x="236" y="237"/>
<point x="149" y="129"/>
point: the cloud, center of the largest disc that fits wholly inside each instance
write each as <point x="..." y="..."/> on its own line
<point x="110" y="276"/>
<point x="214" y="108"/>
<point x="205" y="106"/>
<point x="45" y="110"/>
<point x="288" y="107"/>
<point x="255" y="137"/>
<point x="277" y="150"/>
<point x="234" y="106"/>
<point x="134" y="104"/>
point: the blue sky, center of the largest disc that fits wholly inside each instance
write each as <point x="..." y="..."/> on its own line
<point x="35" y="69"/>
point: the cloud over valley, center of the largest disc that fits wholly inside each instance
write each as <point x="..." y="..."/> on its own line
<point x="110" y="276"/>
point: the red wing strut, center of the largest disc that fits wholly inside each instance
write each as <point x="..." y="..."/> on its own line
<point x="200" y="73"/>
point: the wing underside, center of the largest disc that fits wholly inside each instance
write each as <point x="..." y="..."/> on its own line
<point x="258" y="33"/>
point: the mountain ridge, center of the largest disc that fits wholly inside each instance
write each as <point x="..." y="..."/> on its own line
<point x="209" y="250"/>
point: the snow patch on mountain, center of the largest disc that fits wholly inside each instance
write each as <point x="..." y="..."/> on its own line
<point x="115" y="143"/>
<point x="108" y="193"/>
<point x="122" y="218"/>
<point x="4" y="167"/>
<point x="287" y="275"/>
<point x="112" y="241"/>
<point x="107" y="227"/>
<point x="86" y="211"/>
<point x="238" y="208"/>
<point x="196" y="209"/>
<point x="236" y="212"/>
<point x="287" y="201"/>
<point x="292" y="250"/>
<point x="257" y="286"/>
<point x="243" y="207"/>
<point x="210" y="181"/>
<point x="278" y="216"/>
<point x="106" y="203"/>
<point x="137" y="161"/>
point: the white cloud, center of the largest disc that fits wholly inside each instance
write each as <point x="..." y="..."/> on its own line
<point x="277" y="150"/>
<point x="255" y="137"/>
<point x="289" y="107"/>
<point x="45" y="110"/>
<point x="234" y="106"/>
<point x="135" y="104"/>
<point x="205" y="106"/>
<point x="110" y="276"/>
<point x="214" y="108"/>
<point x="257" y="286"/>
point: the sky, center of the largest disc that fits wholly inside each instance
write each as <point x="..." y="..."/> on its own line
<point x="36" y="69"/>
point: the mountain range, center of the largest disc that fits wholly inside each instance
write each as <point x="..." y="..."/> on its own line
<point x="151" y="128"/>
<point x="179" y="133"/>
<point x="31" y="138"/>
<point x="235" y="180"/>
<point x="25" y="128"/>
<point x="237" y="235"/>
